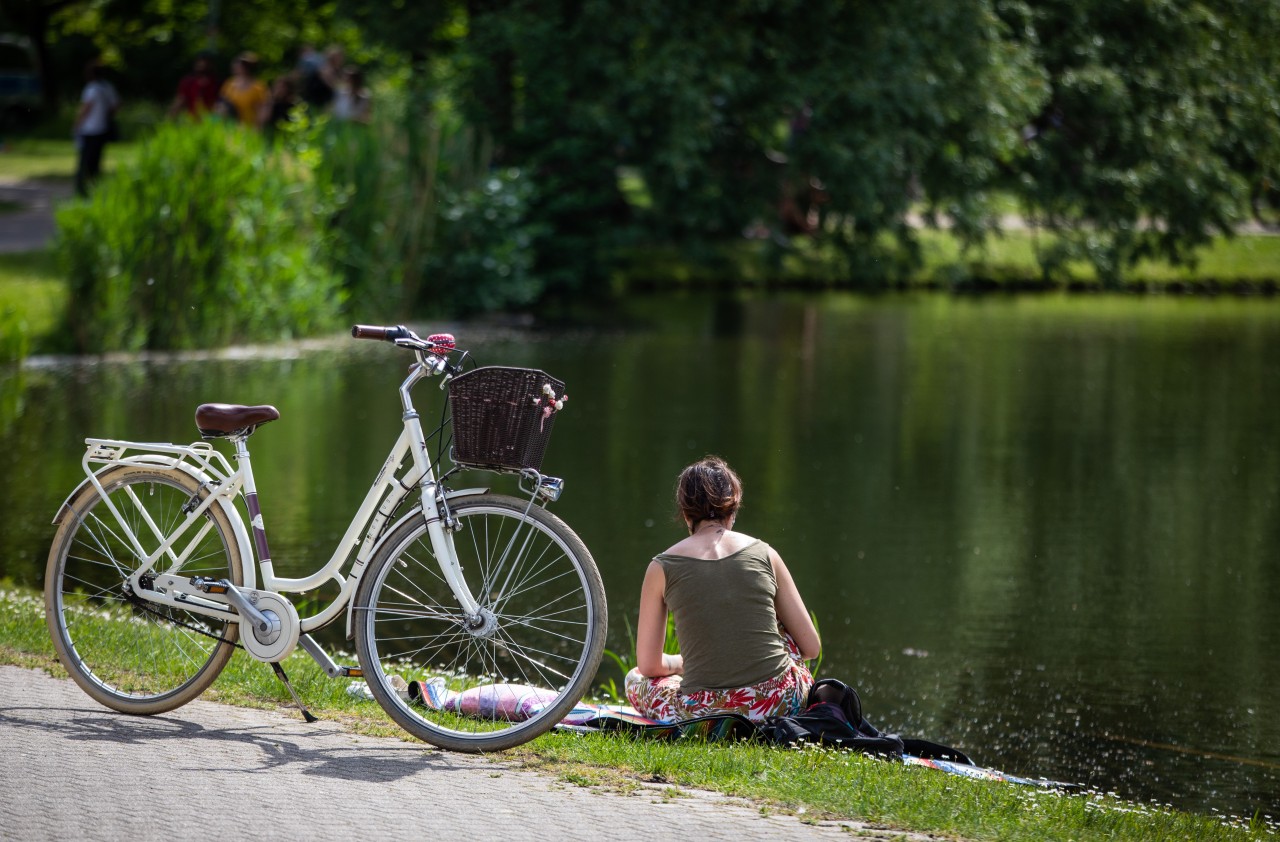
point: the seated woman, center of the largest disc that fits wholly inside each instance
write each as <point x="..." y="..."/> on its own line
<point x="743" y="629"/>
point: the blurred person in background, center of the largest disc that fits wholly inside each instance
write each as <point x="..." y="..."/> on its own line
<point x="197" y="91"/>
<point x="95" y="125"/>
<point x="246" y="97"/>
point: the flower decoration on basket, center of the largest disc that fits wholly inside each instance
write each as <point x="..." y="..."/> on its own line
<point x="549" y="403"/>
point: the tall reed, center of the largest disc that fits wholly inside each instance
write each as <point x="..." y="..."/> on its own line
<point x="426" y="225"/>
<point x="208" y="238"/>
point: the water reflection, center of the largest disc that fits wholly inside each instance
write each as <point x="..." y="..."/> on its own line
<point x="1043" y="529"/>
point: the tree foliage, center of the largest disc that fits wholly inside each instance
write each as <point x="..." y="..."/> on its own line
<point x="1135" y="128"/>
<point x="777" y="111"/>
<point x="150" y="43"/>
<point x="1162" y="114"/>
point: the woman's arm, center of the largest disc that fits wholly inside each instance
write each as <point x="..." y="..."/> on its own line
<point x="651" y="628"/>
<point x="791" y="611"/>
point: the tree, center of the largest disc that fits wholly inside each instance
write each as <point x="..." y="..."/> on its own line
<point x="33" y="18"/>
<point x="749" y="110"/>
<point x="151" y="42"/>
<point x="1155" y="125"/>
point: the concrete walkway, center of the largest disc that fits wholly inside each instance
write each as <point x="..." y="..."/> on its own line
<point x="32" y="227"/>
<point x="74" y="770"/>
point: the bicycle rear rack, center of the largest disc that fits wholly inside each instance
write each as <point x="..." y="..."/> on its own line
<point x="200" y="455"/>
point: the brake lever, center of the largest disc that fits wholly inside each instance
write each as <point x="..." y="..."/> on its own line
<point x="454" y="369"/>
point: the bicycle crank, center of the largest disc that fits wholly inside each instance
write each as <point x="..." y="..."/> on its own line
<point x="281" y="637"/>
<point x="269" y="625"/>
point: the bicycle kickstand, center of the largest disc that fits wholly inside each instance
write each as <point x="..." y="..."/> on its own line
<point x="279" y="670"/>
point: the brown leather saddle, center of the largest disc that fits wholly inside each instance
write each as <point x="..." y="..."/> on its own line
<point x="226" y="420"/>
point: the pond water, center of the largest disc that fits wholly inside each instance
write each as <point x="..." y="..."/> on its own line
<point x="1042" y="529"/>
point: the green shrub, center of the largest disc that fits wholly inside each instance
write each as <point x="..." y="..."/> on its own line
<point x="484" y="259"/>
<point x="207" y="238"/>
<point x="423" y="224"/>
<point x="381" y="178"/>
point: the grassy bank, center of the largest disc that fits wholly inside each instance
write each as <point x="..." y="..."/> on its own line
<point x="813" y="783"/>
<point x="33" y="292"/>
<point x="32" y="289"/>
<point x="1248" y="263"/>
<point x="30" y="285"/>
<point x="33" y="299"/>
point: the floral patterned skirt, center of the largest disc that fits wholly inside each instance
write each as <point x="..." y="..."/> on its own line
<point x="782" y="695"/>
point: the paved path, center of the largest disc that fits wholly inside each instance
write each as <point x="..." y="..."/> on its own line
<point x="32" y="227"/>
<point x="74" y="770"/>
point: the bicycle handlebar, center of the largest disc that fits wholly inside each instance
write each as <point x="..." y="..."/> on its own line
<point x="387" y="334"/>
<point x="438" y="344"/>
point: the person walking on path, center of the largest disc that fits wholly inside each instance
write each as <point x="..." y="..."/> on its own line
<point x="94" y="125"/>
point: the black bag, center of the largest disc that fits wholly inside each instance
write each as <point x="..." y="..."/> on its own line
<point x="833" y="716"/>
<point x="824" y="723"/>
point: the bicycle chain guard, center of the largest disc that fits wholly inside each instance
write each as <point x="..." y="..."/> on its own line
<point x="277" y="643"/>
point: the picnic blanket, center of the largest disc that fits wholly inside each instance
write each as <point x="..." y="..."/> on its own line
<point x="516" y="702"/>
<point x="587" y="718"/>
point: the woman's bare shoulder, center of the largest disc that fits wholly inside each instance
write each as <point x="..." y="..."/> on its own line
<point x="681" y="547"/>
<point x="697" y="547"/>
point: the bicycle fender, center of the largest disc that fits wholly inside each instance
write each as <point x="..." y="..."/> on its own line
<point x="139" y="460"/>
<point x="356" y="573"/>
<point x="241" y="534"/>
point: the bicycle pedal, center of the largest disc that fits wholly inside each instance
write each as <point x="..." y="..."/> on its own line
<point x="207" y="585"/>
<point x="351" y="672"/>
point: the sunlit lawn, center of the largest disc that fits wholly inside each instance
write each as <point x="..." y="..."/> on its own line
<point x="1245" y="258"/>
<point x="42" y="158"/>
<point x="31" y="288"/>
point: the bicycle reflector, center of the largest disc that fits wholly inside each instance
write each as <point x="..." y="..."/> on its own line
<point x="444" y="342"/>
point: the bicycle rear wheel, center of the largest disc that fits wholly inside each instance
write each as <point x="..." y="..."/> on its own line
<point x="130" y="655"/>
<point x="501" y="679"/>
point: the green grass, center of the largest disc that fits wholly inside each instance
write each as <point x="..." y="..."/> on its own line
<point x="43" y="158"/>
<point x="812" y="783"/>
<point x="33" y="297"/>
<point x="1006" y="261"/>
<point x="38" y="158"/>
<point x="1250" y="258"/>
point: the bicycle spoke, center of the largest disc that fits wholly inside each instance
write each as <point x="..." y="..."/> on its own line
<point x="539" y="626"/>
<point x="138" y="658"/>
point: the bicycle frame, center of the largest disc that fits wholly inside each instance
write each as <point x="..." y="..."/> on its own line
<point x="224" y="484"/>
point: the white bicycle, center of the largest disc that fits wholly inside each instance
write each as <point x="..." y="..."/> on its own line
<point x="479" y="619"/>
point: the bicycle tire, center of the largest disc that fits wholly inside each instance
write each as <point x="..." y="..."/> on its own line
<point x="134" y="657"/>
<point x="547" y="613"/>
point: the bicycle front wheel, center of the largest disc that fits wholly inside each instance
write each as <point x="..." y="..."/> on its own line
<point x="494" y="681"/>
<point x="131" y="655"/>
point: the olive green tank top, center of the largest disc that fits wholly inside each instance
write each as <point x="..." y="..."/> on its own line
<point x="725" y="618"/>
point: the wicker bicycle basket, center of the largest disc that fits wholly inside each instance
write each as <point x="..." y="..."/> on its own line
<point x="500" y="417"/>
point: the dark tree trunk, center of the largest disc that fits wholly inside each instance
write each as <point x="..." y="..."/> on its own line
<point x="38" y="32"/>
<point x="33" y="19"/>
